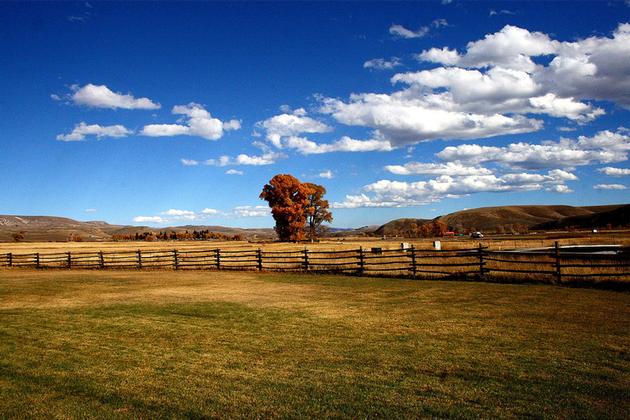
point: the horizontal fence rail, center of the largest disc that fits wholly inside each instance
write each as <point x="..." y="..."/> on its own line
<point x="474" y="263"/>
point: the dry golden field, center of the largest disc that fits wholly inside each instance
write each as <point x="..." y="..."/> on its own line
<point x="329" y="244"/>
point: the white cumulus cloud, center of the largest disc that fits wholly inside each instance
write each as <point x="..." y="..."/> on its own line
<point x="149" y="219"/>
<point x="251" y="211"/>
<point x="603" y="147"/>
<point x="404" y="118"/>
<point x="387" y="193"/>
<point x="616" y="172"/>
<point x="197" y="122"/>
<point x="177" y="212"/>
<point x="448" y="168"/>
<point x="344" y="144"/>
<point x="100" y="96"/>
<point x="293" y="124"/>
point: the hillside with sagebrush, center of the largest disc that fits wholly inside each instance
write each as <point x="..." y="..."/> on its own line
<point x="492" y="219"/>
<point x="619" y="216"/>
<point x="51" y="228"/>
<point x="489" y="218"/>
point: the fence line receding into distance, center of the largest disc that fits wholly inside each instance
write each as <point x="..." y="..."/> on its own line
<point x="474" y="263"/>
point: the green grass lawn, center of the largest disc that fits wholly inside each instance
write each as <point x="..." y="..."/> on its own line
<point x="166" y="344"/>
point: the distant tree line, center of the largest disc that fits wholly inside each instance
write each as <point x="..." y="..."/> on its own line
<point x="431" y="229"/>
<point x="195" y="235"/>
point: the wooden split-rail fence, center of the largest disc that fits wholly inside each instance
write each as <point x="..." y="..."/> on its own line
<point x="474" y="263"/>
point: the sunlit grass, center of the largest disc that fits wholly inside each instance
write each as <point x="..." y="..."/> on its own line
<point x="197" y="344"/>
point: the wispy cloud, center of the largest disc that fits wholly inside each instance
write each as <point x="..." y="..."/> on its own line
<point x="179" y="216"/>
<point x="82" y="130"/>
<point x="189" y="162"/>
<point x="617" y="187"/>
<point x="494" y="12"/>
<point x="615" y="172"/>
<point x="327" y="174"/>
<point x="400" y="31"/>
<point x="267" y="158"/>
<point x="77" y="18"/>
<point x="382" y="63"/>
<point x="149" y="219"/>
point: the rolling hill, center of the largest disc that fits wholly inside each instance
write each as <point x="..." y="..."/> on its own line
<point x="489" y="218"/>
<point x="51" y="228"/>
<point x="533" y="216"/>
<point x="619" y="216"/>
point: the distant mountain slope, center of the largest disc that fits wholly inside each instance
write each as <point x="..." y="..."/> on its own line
<point x="489" y="218"/>
<point x="51" y="228"/>
<point x="619" y="216"/>
<point x="361" y="231"/>
<point x="532" y="216"/>
<point x="261" y="233"/>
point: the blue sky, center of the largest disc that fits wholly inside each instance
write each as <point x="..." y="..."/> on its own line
<point x="169" y="114"/>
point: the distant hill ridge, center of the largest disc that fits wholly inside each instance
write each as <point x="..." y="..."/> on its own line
<point x="52" y="228"/>
<point x="532" y="216"/>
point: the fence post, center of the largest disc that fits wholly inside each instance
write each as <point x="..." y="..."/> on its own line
<point x="217" y="253"/>
<point x="139" y="259"/>
<point x="305" y="259"/>
<point x="557" y="258"/>
<point x="260" y="262"/>
<point x="361" y="261"/>
<point x="413" y="261"/>
<point x="69" y="262"/>
<point x="101" y="260"/>
<point x="175" y="260"/>
<point x="10" y="259"/>
<point x="37" y="260"/>
<point x="481" y="263"/>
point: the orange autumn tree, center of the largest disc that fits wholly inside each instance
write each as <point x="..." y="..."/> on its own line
<point x="317" y="210"/>
<point x="293" y="204"/>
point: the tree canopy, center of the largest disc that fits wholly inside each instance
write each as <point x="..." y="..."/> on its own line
<point x="298" y="208"/>
<point x="317" y="210"/>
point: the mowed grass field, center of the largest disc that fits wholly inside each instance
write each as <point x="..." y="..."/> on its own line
<point x="238" y="344"/>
